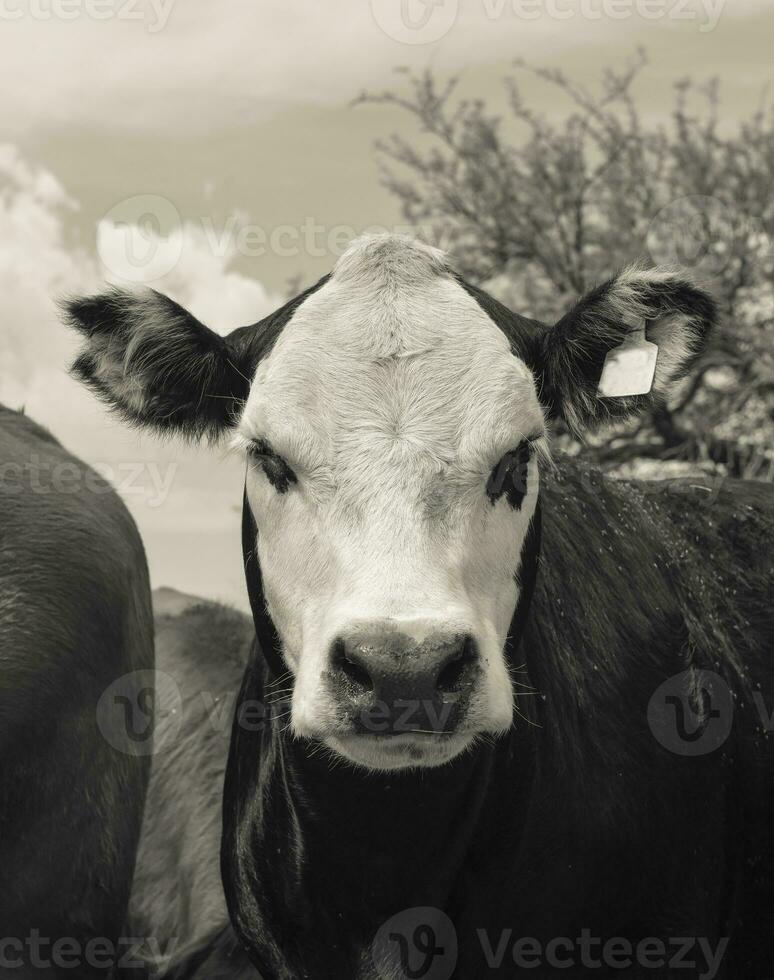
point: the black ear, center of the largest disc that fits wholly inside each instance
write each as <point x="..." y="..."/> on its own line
<point x="570" y="357"/>
<point x="153" y="362"/>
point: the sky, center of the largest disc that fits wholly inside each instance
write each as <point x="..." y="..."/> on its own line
<point x="215" y="152"/>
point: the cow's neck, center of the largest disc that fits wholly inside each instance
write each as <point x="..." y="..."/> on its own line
<point x="317" y="855"/>
<point x="308" y="839"/>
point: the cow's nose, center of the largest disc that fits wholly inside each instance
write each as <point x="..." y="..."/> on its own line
<point x="391" y="683"/>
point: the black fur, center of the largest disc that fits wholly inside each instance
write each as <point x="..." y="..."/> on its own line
<point x="266" y="634"/>
<point x="523" y="333"/>
<point x="570" y="356"/>
<point x="187" y="379"/>
<point x="510" y="476"/>
<point x="277" y="471"/>
<point x="74" y="617"/>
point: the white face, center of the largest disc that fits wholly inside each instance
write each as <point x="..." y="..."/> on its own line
<point x="391" y="396"/>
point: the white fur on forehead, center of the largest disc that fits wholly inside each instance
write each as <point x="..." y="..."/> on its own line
<point x="390" y="260"/>
<point x="392" y="299"/>
<point x="392" y="359"/>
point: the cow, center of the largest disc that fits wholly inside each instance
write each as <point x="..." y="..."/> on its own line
<point x="177" y="897"/>
<point x="523" y="714"/>
<point x="76" y="632"/>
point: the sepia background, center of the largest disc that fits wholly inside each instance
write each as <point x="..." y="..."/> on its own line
<point x="226" y="154"/>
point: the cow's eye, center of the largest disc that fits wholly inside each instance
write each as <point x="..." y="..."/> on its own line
<point x="277" y="471"/>
<point x="509" y="477"/>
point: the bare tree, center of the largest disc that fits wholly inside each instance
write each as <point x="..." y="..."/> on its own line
<point x="540" y="213"/>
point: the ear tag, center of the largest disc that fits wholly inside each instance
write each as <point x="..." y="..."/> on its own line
<point x="630" y="368"/>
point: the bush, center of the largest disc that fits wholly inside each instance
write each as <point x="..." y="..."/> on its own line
<point x="541" y="214"/>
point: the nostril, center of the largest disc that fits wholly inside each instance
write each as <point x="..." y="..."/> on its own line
<point x="453" y="673"/>
<point x="351" y="669"/>
<point x="356" y="674"/>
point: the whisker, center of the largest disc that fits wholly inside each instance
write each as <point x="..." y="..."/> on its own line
<point x="281" y="679"/>
<point x="524" y="718"/>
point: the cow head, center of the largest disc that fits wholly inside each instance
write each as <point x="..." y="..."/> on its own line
<point x="393" y="420"/>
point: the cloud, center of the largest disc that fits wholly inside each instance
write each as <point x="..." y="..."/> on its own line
<point x="188" y="264"/>
<point x="175" y="493"/>
<point x="35" y="266"/>
<point x="38" y="266"/>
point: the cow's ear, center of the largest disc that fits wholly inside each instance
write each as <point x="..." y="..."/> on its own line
<point x="610" y="330"/>
<point x="156" y="364"/>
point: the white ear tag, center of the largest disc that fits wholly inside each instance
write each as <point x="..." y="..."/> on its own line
<point x="630" y="368"/>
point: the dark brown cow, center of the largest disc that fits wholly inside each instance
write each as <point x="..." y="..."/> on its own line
<point x="202" y="649"/>
<point x="76" y="633"/>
